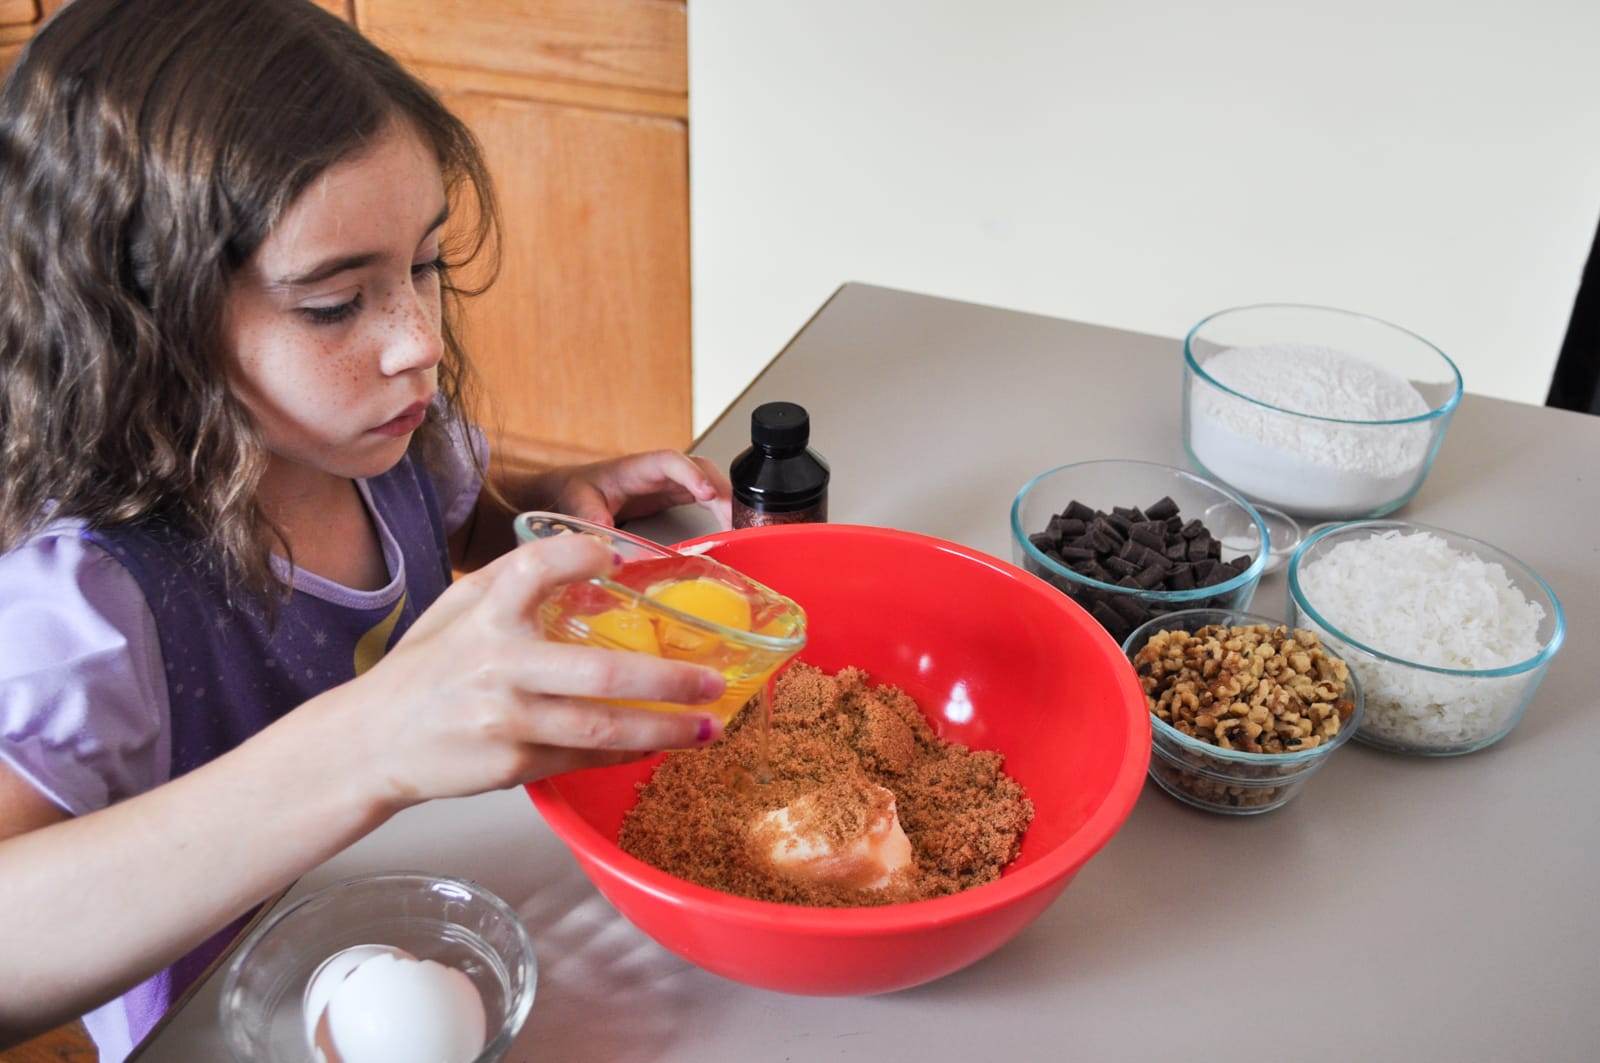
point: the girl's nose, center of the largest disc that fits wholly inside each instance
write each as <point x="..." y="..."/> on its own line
<point x="414" y="340"/>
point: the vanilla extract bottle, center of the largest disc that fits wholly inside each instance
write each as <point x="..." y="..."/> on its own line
<point x="779" y="479"/>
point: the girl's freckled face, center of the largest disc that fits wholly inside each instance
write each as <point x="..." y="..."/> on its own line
<point x="332" y="328"/>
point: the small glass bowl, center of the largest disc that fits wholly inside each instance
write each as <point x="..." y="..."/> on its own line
<point x="1233" y="782"/>
<point x="454" y="922"/>
<point x="1362" y="468"/>
<point x="1103" y="484"/>
<point x="746" y="659"/>
<point x="1407" y="700"/>
<point x="1237" y="533"/>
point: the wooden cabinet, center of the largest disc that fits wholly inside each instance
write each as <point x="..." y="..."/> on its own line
<point x="581" y="106"/>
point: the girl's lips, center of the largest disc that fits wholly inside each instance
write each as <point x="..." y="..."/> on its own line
<point x="409" y="421"/>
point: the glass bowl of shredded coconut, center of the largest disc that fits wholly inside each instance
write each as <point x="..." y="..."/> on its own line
<point x="1320" y="412"/>
<point x="1449" y="636"/>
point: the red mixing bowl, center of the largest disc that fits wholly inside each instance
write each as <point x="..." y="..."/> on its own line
<point x="998" y="660"/>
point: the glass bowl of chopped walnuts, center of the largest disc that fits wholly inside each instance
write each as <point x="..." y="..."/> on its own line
<point x="1243" y="708"/>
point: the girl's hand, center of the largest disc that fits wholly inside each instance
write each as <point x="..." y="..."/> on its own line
<point x="474" y="698"/>
<point x="642" y="484"/>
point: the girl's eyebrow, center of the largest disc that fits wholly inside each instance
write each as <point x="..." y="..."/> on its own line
<point x="338" y="264"/>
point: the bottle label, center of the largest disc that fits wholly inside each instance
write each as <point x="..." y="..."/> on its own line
<point x="749" y="517"/>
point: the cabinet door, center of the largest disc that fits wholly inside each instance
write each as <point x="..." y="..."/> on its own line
<point x="16" y="25"/>
<point x="583" y="342"/>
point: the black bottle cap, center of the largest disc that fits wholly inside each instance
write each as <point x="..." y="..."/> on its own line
<point x="783" y="425"/>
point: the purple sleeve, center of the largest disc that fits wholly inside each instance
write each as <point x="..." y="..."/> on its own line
<point x="458" y="481"/>
<point x="83" y="695"/>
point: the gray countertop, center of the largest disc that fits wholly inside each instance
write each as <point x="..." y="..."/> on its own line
<point x="1399" y="908"/>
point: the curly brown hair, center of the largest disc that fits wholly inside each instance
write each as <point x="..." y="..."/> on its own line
<point x="147" y="148"/>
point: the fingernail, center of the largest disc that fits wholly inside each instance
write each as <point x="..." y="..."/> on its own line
<point x="709" y="731"/>
<point x="617" y="559"/>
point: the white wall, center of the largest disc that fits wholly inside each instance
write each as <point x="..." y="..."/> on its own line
<point x="1139" y="164"/>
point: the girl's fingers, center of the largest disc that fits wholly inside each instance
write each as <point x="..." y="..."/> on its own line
<point x="658" y="470"/>
<point x="591" y="672"/>
<point x="521" y="579"/>
<point x="573" y="724"/>
<point x="551" y="760"/>
<point x="587" y="502"/>
<point x="714" y="474"/>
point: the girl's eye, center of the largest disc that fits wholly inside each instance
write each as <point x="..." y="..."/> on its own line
<point x="424" y="269"/>
<point x="332" y="315"/>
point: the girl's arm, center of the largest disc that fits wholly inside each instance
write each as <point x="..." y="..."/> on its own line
<point x="470" y="700"/>
<point x="94" y="905"/>
<point x="604" y="492"/>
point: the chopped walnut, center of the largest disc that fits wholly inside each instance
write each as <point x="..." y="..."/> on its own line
<point x="1259" y="689"/>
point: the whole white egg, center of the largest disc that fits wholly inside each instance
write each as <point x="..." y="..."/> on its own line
<point x="331" y="974"/>
<point x="395" y="1009"/>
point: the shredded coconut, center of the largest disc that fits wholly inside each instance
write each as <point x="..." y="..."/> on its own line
<point x="1415" y="597"/>
<point x="1316" y="468"/>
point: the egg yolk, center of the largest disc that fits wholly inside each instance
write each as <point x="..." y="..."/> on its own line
<point x="706" y="599"/>
<point x="625" y="629"/>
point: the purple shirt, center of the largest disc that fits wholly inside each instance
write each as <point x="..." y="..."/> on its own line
<point x="121" y="665"/>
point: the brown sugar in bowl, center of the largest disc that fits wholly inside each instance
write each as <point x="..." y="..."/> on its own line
<point x="997" y="660"/>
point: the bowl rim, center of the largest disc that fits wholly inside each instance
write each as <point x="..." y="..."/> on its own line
<point x="1435" y="413"/>
<point x="1347" y="728"/>
<point x="736" y="636"/>
<point x="516" y="1017"/>
<point x="1485" y="552"/>
<point x="1197" y="594"/>
<point x="1067" y="857"/>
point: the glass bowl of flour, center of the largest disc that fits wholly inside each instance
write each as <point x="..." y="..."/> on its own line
<point x="1323" y="413"/>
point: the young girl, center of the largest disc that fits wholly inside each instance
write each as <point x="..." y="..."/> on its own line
<point x="234" y="475"/>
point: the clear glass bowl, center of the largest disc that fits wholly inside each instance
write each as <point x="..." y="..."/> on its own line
<point x="454" y="922"/>
<point x="1423" y="709"/>
<point x="1104" y="484"/>
<point x="1324" y="468"/>
<point x="1233" y="526"/>
<point x="617" y="613"/>
<point x="1233" y="782"/>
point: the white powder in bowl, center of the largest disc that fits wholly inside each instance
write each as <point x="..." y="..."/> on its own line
<point x="1416" y="597"/>
<point x="1313" y="468"/>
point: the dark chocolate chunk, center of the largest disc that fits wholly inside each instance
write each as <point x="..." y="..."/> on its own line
<point x="1192" y="529"/>
<point x="1154" y="557"/>
<point x="1103" y="539"/>
<point x="1150" y="578"/>
<point x="1127" y="581"/>
<point x="1137" y="515"/>
<point x="1120" y="565"/>
<point x="1093" y="570"/>
<point x="1150" y="533"/>
<point x="1163" y="509"/>
<point x="1220" y="574"/>
<point x="1072" y="527"/>
<point x="1242" y="562"/>
<point x="1108" y="620"/>
<point x="1200" y="547"/>
<point x="1077" y="553"/>
<point x="1121" y="523"/>
<point x="1181" y="578"/>
<point x="1130" y="551"/>
<point x="1078" y="511"/>
<point x="1128" y="607"/>
<point x="1043" y="540"/>
<point x="1123" y="511"/>
<point x="1174" y="525"/>
<point x="1202" y="569"/>
<point x="1214" y="550"/>
<point x="1177" y="551"/>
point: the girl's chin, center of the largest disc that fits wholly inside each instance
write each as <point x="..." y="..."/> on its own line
<point x="372" y="456"/>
